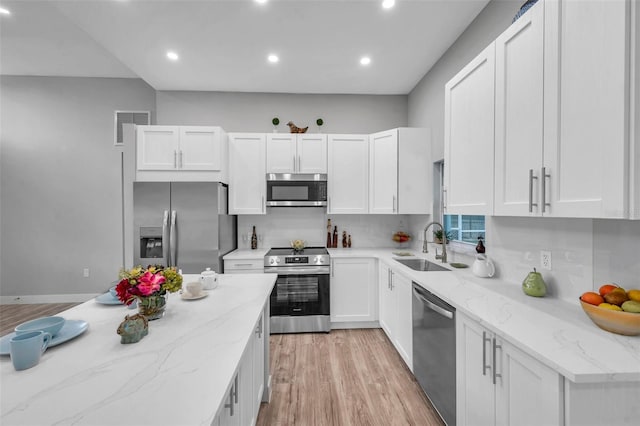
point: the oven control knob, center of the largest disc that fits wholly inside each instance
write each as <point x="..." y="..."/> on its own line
<point x="317" y="260"/>
<point x="275" y="260"/>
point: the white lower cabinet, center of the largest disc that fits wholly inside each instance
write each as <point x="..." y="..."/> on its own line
<point x="245" y="393"/>
<point x="498" y="384"/>
<point x="396" y="311"/>
<point x="353" y="290"/>
<point x="244" y="266"/>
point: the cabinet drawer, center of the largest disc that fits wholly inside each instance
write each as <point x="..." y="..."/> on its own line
<point x="244" y="264"/>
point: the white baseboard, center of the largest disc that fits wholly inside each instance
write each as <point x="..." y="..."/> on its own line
<point x="46" y="298"/>
<point x="354" y="324"/>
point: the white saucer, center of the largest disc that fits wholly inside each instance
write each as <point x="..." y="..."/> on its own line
<point x="70" y="330"/>
<point x="188" y="296"/>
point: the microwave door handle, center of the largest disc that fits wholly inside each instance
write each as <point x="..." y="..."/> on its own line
<point x="172" y="240"/>
<point x="165" y="237"/>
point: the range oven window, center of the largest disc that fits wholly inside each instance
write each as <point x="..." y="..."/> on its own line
<point x="300" y="295"/>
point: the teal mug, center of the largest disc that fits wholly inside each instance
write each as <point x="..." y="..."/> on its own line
<point x="26" y="349"/>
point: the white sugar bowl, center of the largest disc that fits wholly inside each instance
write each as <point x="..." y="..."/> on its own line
<point x="209" y="279"/>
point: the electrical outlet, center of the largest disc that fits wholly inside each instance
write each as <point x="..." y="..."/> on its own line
<point x="85" y="272"/>
<point x="545" y="259"/>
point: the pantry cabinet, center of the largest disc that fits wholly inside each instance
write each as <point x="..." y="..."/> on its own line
<point x="348" y="174"/>
<point x="247" y="180"/>
<point x="353" y="290"/>
<point x="296" y="153"/>
<point x="469" y="138"/>
<point x="187" y="152"/>
<point x="498" y="384"/>
<point x="400" y="172"/>
<point x="395" y="308"/>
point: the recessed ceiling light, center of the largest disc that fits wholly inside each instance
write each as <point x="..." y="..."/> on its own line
<point x="4" y="11"/>
<point x="273" y="58"/>
<point x="261" y="1"/>
<point x="365" y="60"/>
<point x="172" y="55"/>
<point x="388" y="4"/>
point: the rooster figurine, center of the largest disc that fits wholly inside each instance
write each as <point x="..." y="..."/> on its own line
<point x="295" y="129"/>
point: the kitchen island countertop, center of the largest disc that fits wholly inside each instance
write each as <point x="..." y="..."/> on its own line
<point x="177" y="374"/>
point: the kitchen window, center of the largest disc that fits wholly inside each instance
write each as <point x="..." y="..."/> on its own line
<point x="465" y="228"/>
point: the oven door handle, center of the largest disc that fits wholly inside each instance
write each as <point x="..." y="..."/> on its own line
<point x="320" y="270"/>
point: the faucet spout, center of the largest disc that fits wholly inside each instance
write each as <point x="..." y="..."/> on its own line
<point x="425" y="247"/>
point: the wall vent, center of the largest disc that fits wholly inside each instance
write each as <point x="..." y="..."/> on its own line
<point x="125" y="117"/>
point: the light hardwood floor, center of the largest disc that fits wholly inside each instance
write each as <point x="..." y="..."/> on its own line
<point x="343" y="378"/>
<point x="346" y="377"/>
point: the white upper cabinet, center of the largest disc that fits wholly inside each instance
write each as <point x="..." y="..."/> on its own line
<point x="401" y="172"/>
<point x="175" y="153"/>
<point x="348" y="174"/>
<point x="587" y="82"/>
<point x="247" y="180"/>
<point x="634" y="134"/>
<point x="296" y="153"/>
<point x="469" y="137"/>
<point x="518" y="120"/>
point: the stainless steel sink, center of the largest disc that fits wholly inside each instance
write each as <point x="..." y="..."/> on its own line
<point x="421" y="265"/>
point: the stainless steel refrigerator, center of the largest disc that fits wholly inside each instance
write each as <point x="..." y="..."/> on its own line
<point x="182" y="224"/>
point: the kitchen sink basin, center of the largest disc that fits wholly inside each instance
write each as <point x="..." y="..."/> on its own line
<point x="421" y="265"/>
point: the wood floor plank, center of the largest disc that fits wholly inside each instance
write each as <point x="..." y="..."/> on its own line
<point x="14" y="314"/>
<point x="346" y="377"/>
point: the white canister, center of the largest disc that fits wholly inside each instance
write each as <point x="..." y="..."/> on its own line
<point x="209" y="279"/>
<point x="483" y="267"/>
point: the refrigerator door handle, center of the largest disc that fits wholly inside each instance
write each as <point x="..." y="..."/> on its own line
<point x="165" y="236"/>
<point x="172" y="241"/>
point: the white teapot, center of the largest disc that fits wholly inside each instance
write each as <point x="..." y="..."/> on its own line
<point x="483" y="267"/>
<point x="209" y="279"/>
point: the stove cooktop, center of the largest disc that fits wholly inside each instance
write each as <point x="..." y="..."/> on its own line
<point x="288" y="251"/>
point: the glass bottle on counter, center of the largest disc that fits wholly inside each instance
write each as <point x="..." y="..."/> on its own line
<point x="254" y="239"/>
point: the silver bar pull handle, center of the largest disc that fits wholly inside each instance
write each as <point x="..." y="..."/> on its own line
<point x="485" y="339"/>
<point x="235" y="390"/>
<point x="172" y="240"/>
<point x="496" y="346"/>
<point x="294" y="163"/>
<point x="181" y="159"/>
<point x="299" y="163"/>
<point x="263" y="204"/>
<point x="394" y="203"/>
<point x="543" y="189"/>
<point x="531" y="179"/>
<point x="175" y="159"/>
<point x="231" y="404"/>
<point x="444" y="199"/>
<point x="332" y="268"/>
<point x="165" y="237"/>
<point x="392" y="279"/>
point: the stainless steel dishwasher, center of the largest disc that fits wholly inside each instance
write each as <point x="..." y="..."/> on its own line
<point x="434" y="351"/>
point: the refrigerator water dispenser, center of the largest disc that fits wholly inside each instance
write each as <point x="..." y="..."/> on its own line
<point x="151" y="242"/>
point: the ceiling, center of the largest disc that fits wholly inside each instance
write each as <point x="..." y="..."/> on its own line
<point x="223" y="44"/>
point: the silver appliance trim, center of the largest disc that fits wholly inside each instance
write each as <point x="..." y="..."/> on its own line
<point x="296" y="203"/>
<point x="297" y="270"/>
<point x="300" y="324"/>
<point x="297" y="177"/>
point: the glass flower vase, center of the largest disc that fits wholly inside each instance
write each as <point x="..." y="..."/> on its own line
<point x="152" y="307"/>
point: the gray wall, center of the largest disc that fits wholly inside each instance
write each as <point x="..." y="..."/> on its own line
<point x="426" y="100"/>
<point x="252" y="112"/>
<point x="60" y="182"/>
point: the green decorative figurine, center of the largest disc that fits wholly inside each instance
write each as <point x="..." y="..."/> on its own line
<point x="133" y="328"/>
<point x="534" y="285"/>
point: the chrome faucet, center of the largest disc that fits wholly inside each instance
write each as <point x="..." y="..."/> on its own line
<point x="425" y="248"/>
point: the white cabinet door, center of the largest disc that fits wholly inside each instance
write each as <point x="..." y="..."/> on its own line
<point x="200" y="148"/>
<point x="469" y="134"/>
<point x="312" y="153"/>
<point x="387" y="301"/>
<point x="586" y="107"/>
<point x="157" y="147"/>
<point x="348" y="174"/>
<point x="383" y="172"/>
<point x="519" y="110"/>
<point x="497" y="384"/>
<point x="634" y="135"/>
<point x="354" y="290"/>
<point x="229" y="413"/>
<point x="403" y="340"/>
<point x="247" y="178"/>
<point x="245" y="385"/>
<point x="281" y="153"/>
<point x="258" y="367"/>
<point x="527" y="393"/>
<point x="415" y="171"/>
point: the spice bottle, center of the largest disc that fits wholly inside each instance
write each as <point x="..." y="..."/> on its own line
<point x="254" y="239"/>
<point x="335" y="237"/>
<point x="349" y="241"/>
<point x="329" y="233"/>
<point x="344" y="239"/>
<point x="480" y="247"/>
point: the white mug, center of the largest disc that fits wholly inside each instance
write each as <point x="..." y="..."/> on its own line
<point x="193" y="289"/>
<point x="209" y="279"/>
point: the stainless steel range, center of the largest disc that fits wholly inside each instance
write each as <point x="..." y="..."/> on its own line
<point x="300" y="298"/>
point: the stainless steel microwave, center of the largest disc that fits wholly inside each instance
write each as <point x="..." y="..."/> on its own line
<point x="296" y="189"/>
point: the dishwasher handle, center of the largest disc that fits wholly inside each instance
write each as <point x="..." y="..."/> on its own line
<point x="445" y="313"/>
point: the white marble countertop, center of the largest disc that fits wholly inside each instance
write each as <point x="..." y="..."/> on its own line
<point x="177" y="374"/>
<point x="246" y="254"/>
<point x="556" y="332"/>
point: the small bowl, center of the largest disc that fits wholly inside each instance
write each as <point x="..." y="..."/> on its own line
<point x="112" y="291"/>
<point x="619" y="322"/>
<point x="51" y="325"/>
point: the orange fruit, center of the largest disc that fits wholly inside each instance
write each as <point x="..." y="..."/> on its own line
<point x="634" y="294"/>
<point x="606" y="289"/>
<point x="592" y="298"/>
